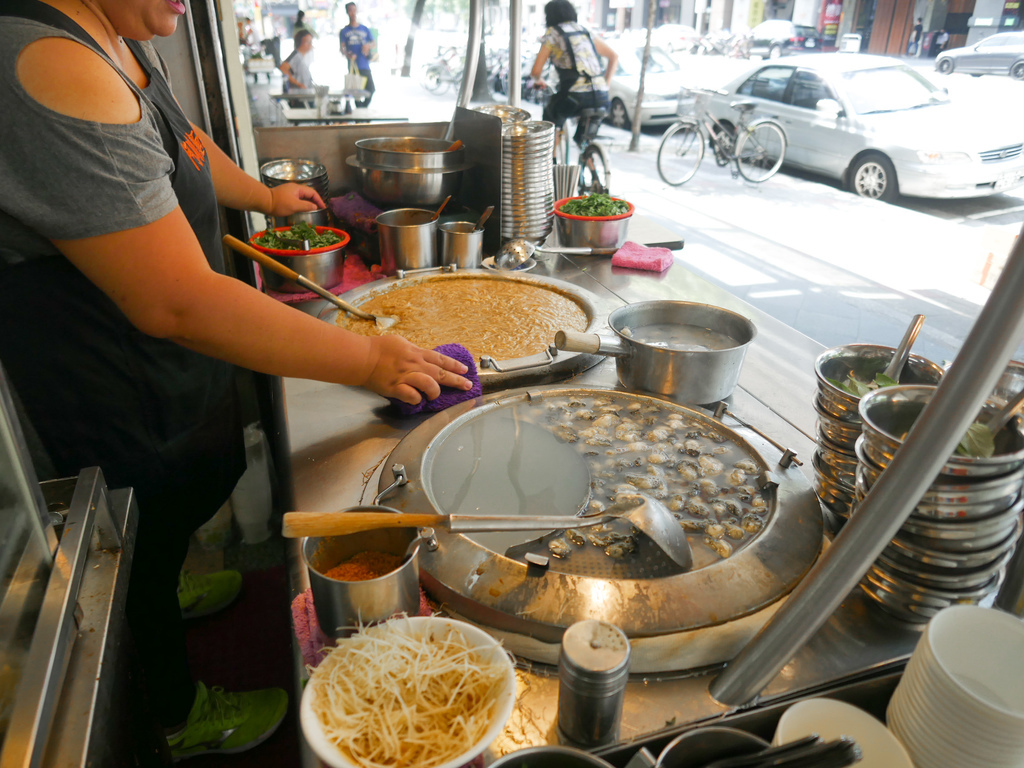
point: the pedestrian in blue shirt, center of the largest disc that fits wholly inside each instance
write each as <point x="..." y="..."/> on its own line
<point x="356" y="42"/>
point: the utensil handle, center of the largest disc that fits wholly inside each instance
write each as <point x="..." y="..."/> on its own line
<point x="1007" y="412"/>
<point x="574" y="341"/>
<point x="261" y="258"/>
<point x="902" y="353"/>
<point x="275" y="266"/>
<point x="298" y="524"/>
<point x="490" y="523"/>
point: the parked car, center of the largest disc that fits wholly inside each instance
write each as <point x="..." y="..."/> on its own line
<point x="1001" y="54"/>
<point x="778" y="37"/>
<point x="879" y="126"/>
<point x="661" y="87"/>
<point x="675" y="37"/>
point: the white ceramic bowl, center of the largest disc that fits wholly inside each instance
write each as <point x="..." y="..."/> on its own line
<point x="831" y="719"/>
<point x="485" y="645"/>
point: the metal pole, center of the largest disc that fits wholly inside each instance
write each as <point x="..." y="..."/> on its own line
<point x="515" y="61"/>
<point x="956" y="403"/>
<point x="476" y="25"/>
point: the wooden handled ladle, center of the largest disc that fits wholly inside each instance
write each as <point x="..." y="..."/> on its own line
<point x="650" y="516"/>
<point x="290" y="274"/>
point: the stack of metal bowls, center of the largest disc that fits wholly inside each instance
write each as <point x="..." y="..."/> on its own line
<point x="954" y="546"/>
<point x="308" y="172"/>
<point x="527" y="184"/>
<point x="839" y="422"/>
<point x="507" y="113"/>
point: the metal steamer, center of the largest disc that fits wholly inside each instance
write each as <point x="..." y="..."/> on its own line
<point x="547" y="366"/>
<point x="674" y="620"/>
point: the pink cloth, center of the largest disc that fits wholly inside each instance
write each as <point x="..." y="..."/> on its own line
<point x="354" y="274"/>
<point x="635" y="256"/>
<point x="314" y="645"/>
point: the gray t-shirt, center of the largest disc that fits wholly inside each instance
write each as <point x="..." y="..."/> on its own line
<point x="62" y="178"/>
<point x="299" y="63"/>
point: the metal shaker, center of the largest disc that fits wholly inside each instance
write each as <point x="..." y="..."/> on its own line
<point x="593" y="667"/>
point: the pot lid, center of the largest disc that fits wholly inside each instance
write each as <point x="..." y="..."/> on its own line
<point x="755" y="529"/>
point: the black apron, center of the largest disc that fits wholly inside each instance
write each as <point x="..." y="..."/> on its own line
<point x="98" y="391"/>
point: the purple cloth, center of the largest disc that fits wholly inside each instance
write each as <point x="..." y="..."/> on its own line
<point x="449" y="395"/>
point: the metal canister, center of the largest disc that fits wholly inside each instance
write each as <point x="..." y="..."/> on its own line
<point x="593" y="667"/>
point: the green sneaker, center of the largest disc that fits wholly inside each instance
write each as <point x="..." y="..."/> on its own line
<point x="203" y="595"/>
<point x="225" y="723"/>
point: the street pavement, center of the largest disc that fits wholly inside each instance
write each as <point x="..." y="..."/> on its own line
<point x="838" y="268"/>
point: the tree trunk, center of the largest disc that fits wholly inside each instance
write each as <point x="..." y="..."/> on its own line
<point x="634" y="142"/>
<point x="417" y="16"/>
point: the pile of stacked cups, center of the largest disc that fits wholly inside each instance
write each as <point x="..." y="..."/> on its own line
<point x="956" y="542"/>
<point x="839" y="422"/>
<point x="527" y="184"/>
<point x="961" y="700"/>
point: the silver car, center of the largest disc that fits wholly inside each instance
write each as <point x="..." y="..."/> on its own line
<point x="879" y="126"/>
<point x="661" y="87"/>
<point x="1001" y="54"/>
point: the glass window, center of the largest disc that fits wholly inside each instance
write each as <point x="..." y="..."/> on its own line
<point x="807" y="89"/>
<point x="768" y="83"/>
<point x="630" y="61"/>
<point x="889" y="89"/>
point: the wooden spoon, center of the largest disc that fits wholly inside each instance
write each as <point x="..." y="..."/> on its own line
<point x="457" y="144"/>
<point x="437" y="213"/>
<point x="290" y="274"/>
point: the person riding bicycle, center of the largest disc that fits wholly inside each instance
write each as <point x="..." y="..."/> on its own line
<point x="577" y="59"/>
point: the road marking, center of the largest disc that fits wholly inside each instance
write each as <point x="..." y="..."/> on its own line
<point x="989" y="214"/>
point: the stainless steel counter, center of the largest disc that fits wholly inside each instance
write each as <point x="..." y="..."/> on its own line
<point x="340" y="438"/>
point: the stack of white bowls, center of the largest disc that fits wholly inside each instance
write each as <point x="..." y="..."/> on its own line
<point x="527" y="183"/>
<point x="957" y="541"/>
<point x="960" y="703"/>
<point x="839" y="422"/>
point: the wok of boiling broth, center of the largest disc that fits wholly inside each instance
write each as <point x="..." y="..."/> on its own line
<point x="680" y="336"/>
<point x="505" y="319"/>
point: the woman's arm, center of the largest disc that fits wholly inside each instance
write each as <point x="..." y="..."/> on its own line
<point x="609" y="53"/>
<point x="237" y="189"/>
<point x="172" y="293"/>
<point x="286" y="69"/>
<point x="540" y="61"/>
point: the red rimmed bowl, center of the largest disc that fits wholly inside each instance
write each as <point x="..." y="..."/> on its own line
<point x="591" y="231"/>
<point x="324" y="266"/>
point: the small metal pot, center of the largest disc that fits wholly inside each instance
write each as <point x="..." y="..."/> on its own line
<point x="318" y="218"/>
<point x="342" y="605"/>
<point x="324" y="266"/>
<point x="408" y="239"/>
<point x="695" y="377"/>
<point x="591" y="231"/>
<point x="550" y="757"/>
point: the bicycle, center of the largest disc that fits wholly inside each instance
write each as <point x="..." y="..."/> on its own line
<point x="595" y="172"/>
<point x="757" y="147"/>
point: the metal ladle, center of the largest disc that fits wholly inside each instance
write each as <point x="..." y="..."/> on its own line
<point x="648" y="515"/>
<point x="517" y="250"/>
<point x="290" y="274"/>
<point x="902" y="353"/>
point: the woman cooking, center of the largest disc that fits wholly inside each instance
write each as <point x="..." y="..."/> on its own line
<point x="118" y="328"/>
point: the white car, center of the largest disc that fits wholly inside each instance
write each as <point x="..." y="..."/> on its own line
<point x="661" y="87"/>
<point x="675" y="37"/>
<point x="880" y="126"/>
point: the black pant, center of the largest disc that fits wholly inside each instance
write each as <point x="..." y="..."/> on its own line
<point x="369" y="87"/>
<point x="564" y="105"/>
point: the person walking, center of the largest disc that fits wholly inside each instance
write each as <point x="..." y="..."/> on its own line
<point x="582" y="83"/>
<point x="356" y="42"/>
<point x="297" y="75"/>
<point x="300" y="25"/>
<point x="111" y="210"/>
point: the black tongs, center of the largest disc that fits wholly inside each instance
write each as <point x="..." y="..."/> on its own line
<point x="808" y="752"/>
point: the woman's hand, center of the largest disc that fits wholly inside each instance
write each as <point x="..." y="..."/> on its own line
<point x="400" y="369"/>
<point x="290" y="198"/>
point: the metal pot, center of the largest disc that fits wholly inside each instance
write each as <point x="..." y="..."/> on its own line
<point x="591" y="231"/>
<point x="687" y="376"/>
<point x="406" y="186"/>
<point x="324" y="266"/>
<point x="410" y="153"/>
<point x="408" y="239"/>
<point x="318" y="218"/>
<point x="550" y="757"/>
<point x="342" y="605"/>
